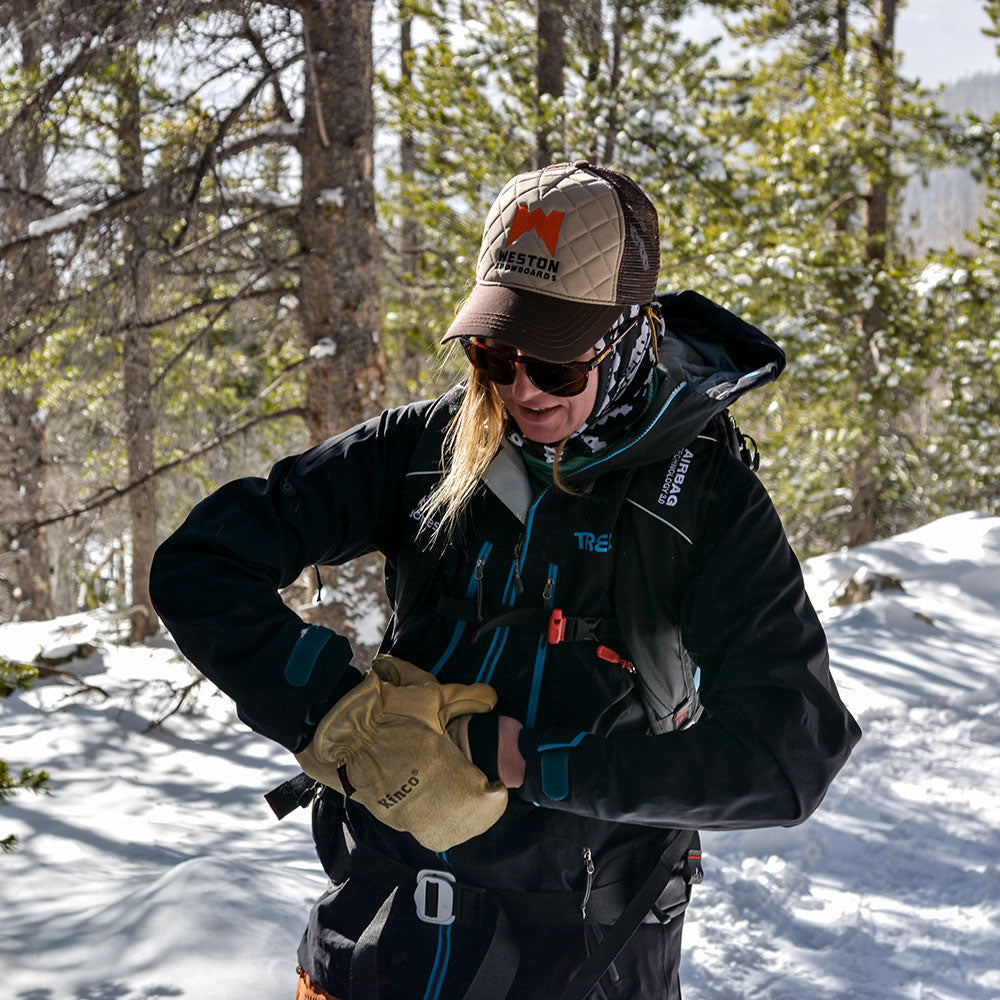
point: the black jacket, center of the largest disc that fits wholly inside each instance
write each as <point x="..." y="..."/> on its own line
<point x="709" y="548"/>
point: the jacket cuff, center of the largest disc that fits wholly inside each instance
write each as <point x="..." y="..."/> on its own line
<point x="547" y="760"/>
<point x="318" y="673"/>
<point x="348" y="681"/>
<point x="484" y="743"/>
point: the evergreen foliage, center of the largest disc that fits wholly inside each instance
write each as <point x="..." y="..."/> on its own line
<point x="824" y="126"/>
<point x="766" y="174"/>
<point x="17" y="677"/>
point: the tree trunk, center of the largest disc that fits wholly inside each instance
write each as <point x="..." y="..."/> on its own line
<point x="549" y="64"/>
<point x="27" y="577"/>
<point x="588" y="28"/>
<point x="842" y="24"/>
<point x="413" y="357"/>
<point x="866" y="498"/>
<point x="614" y="78"/>
<point x="27" y="277"/>
<point x="410" y="234"/>
<point x="339" y="288"/>
<point x="136" y="356"/>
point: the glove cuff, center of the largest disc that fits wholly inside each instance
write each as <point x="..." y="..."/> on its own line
<point x="483" y="736"/>
<point x="349" y="724"/>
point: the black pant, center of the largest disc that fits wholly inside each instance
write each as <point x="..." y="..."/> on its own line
<point x="418" y="960"/>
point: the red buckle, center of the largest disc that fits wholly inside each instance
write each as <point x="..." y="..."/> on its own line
<point x="607" y="653"/>
<point x="557" y="627"/>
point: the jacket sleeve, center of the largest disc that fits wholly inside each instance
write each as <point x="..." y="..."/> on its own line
<point x="774" y="732"/>
<point x="215" y="581"/>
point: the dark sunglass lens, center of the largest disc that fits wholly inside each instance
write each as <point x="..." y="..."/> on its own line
<point x="556" y="379"/>
<point x="497" y="366"/>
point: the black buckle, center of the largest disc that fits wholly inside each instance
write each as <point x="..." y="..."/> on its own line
<point x="296" y="793"/>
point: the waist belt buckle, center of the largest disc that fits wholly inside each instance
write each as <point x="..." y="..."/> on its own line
<point x="435" y="896"/>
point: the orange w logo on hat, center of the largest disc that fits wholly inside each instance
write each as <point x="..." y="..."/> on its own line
<point x="547" y="226"/>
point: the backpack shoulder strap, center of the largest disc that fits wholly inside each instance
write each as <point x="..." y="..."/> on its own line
<point x="666" y="503"/>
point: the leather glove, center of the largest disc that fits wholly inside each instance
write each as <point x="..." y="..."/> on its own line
<point x="402" y="673"/>
<point x="386" y="743"/>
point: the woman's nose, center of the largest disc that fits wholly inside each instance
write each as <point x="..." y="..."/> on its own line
<point x="523" y="388"/>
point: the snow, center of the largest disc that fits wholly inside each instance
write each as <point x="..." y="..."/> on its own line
<point x="154" y="866"/>
<point x="933" y="276"/>
<point x="62" y="220"/>
<point x="325" y="347"/>
<point x="331" y="197"/>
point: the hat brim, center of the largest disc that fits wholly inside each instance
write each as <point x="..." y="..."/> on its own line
<point x="540" y="325"/>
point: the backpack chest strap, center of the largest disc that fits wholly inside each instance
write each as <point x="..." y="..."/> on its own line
<point x="552" y="623"/>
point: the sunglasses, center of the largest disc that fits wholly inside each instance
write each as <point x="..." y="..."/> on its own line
<point x="556" y="378"/>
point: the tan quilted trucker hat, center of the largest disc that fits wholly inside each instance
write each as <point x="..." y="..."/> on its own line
<point x="565" y="249"/>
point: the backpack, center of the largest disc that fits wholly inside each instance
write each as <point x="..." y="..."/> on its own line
<point x="666" y="676"/>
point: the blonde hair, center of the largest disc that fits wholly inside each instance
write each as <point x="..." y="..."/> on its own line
<point x="473" y="438"/>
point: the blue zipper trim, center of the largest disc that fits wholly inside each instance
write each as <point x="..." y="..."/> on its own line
<point x="565" y="746"/>
<point x="635" y="441"/>
<point x="499" y="640"/>
<point x="540" y="656"/>
<point x="443" y="955"/>
<point x="528" y="526"/>
<point x="488" y="676"/>
<point x="482" y="675"/>
<point x="440" y="967"/>
<point x="470" y="591"/>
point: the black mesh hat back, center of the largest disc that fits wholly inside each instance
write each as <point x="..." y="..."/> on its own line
<point x="641" y="255"/>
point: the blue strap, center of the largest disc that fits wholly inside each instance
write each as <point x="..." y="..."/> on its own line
<point x="555" y="774"/>
<point x="555" y="767"/>
<point x="305" y="653"/>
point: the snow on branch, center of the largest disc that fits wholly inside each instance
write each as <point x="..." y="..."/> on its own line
<point x="66" y="219"/>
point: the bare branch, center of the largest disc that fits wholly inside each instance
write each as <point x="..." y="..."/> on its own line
<point x="209" y="152"/>
<point x="111" y="493"/>
<point x="254" y="38"/>
<point x="213" y="320"/>
<point x="180" y="696"/>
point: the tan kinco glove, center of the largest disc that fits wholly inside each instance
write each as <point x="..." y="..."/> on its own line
<point x="398" y="743"/>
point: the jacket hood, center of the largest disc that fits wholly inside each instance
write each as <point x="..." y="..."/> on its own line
<point x="709" y="358"/>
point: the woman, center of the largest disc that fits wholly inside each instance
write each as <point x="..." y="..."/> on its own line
<point x="600" y="639"/>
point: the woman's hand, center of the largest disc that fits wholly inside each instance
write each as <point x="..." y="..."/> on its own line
<point x="510" y="763"/>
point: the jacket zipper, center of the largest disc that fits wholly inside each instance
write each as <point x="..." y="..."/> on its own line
<point x="478" y="576"/>
<point x="518" y="585"/>
<point x="511" y="590"/>
<point x="588" y="860"/>
<point x="540" y="654"/>
<point x="474" y="589"/>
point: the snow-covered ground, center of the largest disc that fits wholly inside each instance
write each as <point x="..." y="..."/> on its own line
<point x="155" y="869"/>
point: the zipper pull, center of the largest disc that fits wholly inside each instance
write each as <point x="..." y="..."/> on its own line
<point x="550" y="585"/>
<point x="518" y="585"/>
<point x="609" y="655"/>
<point x="480" y="566"/>
<point x="588" y="859"/>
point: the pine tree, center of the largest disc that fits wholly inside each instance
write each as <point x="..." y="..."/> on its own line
<point x="480" y="104"/>
<point x="218" y="273"/>
<point x="828" y="130"/>
<point x="17" y="677"/>
<point x="962" y="291"/>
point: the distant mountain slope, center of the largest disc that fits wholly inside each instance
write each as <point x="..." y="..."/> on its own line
<point x="941" y="212"/>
